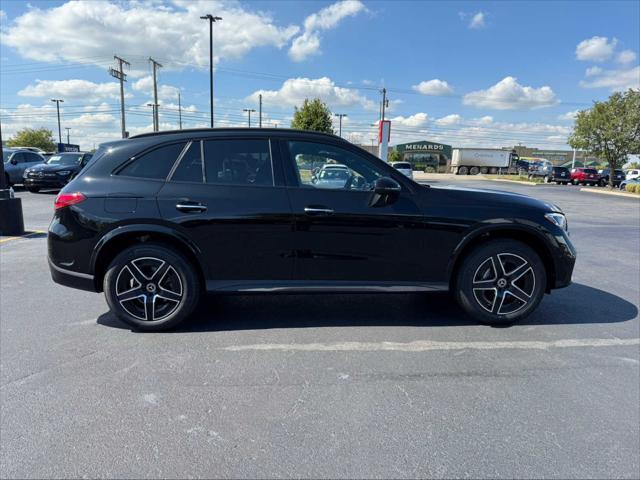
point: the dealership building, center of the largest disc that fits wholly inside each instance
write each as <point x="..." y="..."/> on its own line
<point x="425" y="155"/>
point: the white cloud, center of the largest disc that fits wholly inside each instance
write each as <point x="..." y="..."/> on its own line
<point x="569" y="116"/>
<point x="74" y="88"/>
<point x="308" y="43"/>
<point x="102" y="120"/>
<point x="596" y="49"/>
<point x="61" y="33"/>
<point x="452" y="119"/>
<point x="295" y="90"/>
<point x="415" y="120"/>
<point x="433" y="87"/>
<point x="477" y="21"/>
<point x="508" y="94"/>
<point x="486" y="120"/>
<point x="614" y="80"/>
<point x="626" y="56"/>
<point x="591" y="71"/>
<point x="165" y="92"/>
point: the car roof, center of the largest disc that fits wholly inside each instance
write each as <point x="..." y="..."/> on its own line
<point x="189" y="132"/>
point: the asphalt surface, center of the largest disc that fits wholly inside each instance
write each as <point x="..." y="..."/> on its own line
<point x="386" y="386"/>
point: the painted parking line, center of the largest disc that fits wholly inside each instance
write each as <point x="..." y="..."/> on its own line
<point x="26" y="235"/>
<point x="426" y="345"/>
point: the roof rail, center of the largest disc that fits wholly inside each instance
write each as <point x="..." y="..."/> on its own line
<point x="230" y="129"/>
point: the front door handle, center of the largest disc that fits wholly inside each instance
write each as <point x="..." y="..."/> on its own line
<point x="318" y="211"/>
<point x="191" y="207"/>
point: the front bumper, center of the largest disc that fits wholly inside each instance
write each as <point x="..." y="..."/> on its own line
<point x="45" y="182"/>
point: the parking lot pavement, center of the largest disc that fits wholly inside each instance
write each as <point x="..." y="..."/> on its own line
<point x="390" y="386"/>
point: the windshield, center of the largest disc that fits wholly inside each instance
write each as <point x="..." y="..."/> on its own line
<point x="66" y="159"/>
<point x="334" y="174"/>
<point x="6" y="154"/>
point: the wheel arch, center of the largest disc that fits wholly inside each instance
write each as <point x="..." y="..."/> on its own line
<point x="123" y="237"/>
<point x="526" y="235"/>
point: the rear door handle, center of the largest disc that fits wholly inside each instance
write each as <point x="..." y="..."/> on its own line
<point x="191" y="207"/>
<point x="318" y="211"/>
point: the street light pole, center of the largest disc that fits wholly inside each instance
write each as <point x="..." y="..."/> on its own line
<point x="249" y="110"/>
<point x="211" y="20"/>
<point x="58" y="100"/>
<point x="340" y="115"/>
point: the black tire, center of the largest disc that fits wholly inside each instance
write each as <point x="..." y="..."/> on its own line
<point x="172" y="285"/>
<point x="490" y="301"/>
<point x="33" y="189"/>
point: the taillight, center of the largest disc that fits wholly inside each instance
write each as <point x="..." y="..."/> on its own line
<point x="68" y="199"/>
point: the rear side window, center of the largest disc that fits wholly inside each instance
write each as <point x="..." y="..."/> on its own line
<point x="155" y="164"/>
<point x="238" y="162"/>
<point x="402" y="165"/>
<point x="190" y="168"/>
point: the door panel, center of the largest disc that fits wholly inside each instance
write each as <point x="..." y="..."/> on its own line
<point x="356" y="242"/>
<point x="338" y="235"/>
<point x="243" y="229"/>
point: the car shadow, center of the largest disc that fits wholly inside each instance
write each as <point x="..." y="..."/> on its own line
<point x="576" y="304"/>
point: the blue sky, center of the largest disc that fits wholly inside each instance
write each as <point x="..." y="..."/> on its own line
<point x="462" y="73"/>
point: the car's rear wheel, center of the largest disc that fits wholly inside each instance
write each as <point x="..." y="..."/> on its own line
<point x="501" y="282"/>
<point x="151" y="288"/>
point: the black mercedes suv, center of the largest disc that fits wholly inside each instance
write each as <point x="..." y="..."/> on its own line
<point x="157" y="219"/>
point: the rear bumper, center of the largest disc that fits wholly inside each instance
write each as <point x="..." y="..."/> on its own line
<point x="69" y="278"/>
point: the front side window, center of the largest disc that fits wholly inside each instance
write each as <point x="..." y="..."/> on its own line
<point x="327" y="166"/>
<point x="154" y="164"/>
<point x="238" y="162"/>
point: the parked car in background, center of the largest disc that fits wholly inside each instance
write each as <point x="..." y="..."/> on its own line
<point x="631" y="174"/>
<point x="549" y="173"/>
<point x="16" y="161"/>
<point x="31" y="149"/>
<point x="56" y="171"/>
<point x="632" y="181"/>
<point x="157" y="219"/>
<point x="584" y="176"/>
<point x="618" y="176"/>
<point x="404" y="168"/>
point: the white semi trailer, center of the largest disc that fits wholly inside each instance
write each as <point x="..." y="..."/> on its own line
<point x="472" y="161"/>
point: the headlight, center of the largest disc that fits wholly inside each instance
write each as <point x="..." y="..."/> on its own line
<point x="64" y="173"/>
<point x="557" y="219"/>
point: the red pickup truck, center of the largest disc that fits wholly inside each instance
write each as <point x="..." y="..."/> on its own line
<point x="584" y="176"/>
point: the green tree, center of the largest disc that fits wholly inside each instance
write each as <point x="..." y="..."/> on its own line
<point x="394" y="156"/>
<point x="313" y="115"/>
<point x="41" y="138"/>
<point x="610" y="130"/>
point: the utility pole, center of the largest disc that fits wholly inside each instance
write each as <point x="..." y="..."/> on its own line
<point x="249" y="110"/>
<point x="211" y="20"/>
<point x="179" y="111"/>
<point x="58" y="100"/>
<point x="156" y="123"/>
<point x="120" y="75"/>
<point x="384" y="103"/>
<point x="260" y="107"/>
<point x="573" y="161"/>
<point x="67" y="129"/>
<point x="154" y="107"/>
<point x="340" y="115"/>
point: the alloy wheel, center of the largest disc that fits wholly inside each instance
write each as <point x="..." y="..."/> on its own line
<point x="504" y="284"/>
<point x="149" y="288"/>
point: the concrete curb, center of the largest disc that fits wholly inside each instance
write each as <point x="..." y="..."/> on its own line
<point x="608" y="192"/>
<point x="522" y="182"/>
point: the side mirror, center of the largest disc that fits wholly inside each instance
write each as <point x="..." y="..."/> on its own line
<point x="14" y="161"/>
<point x="385" y="192"/>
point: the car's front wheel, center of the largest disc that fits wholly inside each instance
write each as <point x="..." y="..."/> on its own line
<point x="151" y="287"/>
<point x="501" y="282"/>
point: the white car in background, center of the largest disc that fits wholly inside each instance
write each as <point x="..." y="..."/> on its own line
<point x="631" y="174"/>
<point x="404" y="168"/>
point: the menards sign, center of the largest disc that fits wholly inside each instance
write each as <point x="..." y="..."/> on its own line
<point x="424" y="146"/>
